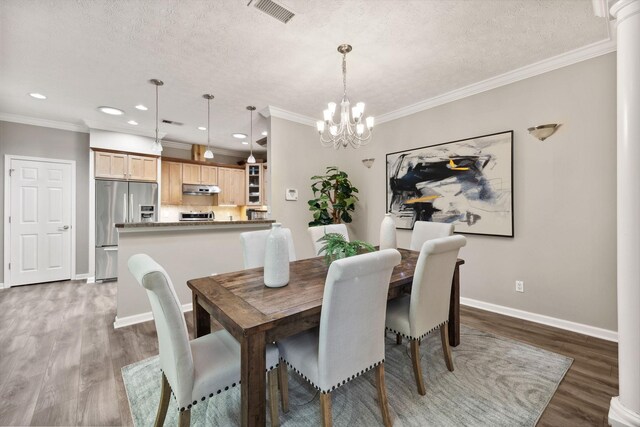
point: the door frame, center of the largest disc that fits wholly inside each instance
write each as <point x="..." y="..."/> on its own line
<point x="7" y="210"/>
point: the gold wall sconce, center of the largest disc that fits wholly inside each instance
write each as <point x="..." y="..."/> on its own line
<point x="543" y="132"/>
<point x="368" y="162"/>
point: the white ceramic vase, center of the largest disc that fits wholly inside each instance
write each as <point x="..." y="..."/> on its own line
<point x="276" y="258"/>
<point x="388" y="233"/>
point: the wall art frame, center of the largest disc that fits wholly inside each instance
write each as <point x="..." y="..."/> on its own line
<point x="467" y="182"/>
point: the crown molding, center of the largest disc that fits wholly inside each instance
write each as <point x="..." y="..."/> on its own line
<point x="33" y="121"/>
<point x="99" y="126"/>
<point x="278" y="112"/>
<point x="537" y="68"/>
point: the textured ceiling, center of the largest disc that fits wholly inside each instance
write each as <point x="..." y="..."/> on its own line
<point x="87" y="53"/>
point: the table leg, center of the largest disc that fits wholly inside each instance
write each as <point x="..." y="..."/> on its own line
<point x="201" y="319"/>
<point x="253" y="385"/>
<point x="454" y="309"/>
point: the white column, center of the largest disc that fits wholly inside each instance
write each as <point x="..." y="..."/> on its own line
<point x="625" y="408"/>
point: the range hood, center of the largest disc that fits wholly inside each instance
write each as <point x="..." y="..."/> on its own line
<point x="200" y="190"/>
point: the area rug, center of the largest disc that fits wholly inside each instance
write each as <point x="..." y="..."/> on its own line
<point x="496" y="382"/>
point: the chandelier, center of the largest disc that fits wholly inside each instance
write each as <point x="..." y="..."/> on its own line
<point x="350" y="130"/>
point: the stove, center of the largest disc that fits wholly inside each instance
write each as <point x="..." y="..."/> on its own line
<point x="197" y="216"/>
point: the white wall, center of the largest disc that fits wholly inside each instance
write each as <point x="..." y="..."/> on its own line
<point x="121" y="142"/>
<point x="564" y="191"/>
<point x="295" y="155"/>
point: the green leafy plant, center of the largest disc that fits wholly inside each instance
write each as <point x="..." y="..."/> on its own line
<point x="335" y="198"/>
<point x="336" y="247"/>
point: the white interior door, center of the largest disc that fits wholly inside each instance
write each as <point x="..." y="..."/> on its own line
<point x="40" y="227"/>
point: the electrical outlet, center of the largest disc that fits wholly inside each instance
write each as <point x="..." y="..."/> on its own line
<point x="519" y="286"/>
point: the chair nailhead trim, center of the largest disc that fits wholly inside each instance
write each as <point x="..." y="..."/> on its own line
<point x="341" y="383"/>
<point x="416" y="338"/>
<point x="211" y="394"/>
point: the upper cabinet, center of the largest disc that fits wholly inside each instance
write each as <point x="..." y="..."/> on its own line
<point x="232" y="186"/>
<point x="125" y="166"/>
<point x="171" y="183"/>
<point x="190" y="174"/>
<point x="199" y="174"/>
<point x="254" y="195"/>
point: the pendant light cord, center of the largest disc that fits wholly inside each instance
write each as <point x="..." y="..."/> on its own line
<point x="208" y="122"/>
<point x="157" y="142"/>
<point x="251" y="135"/>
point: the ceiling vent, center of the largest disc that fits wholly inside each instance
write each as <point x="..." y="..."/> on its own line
<point x="171" y="122"/>
<point x="274" y="10"/>
<point x="262" y="142"/>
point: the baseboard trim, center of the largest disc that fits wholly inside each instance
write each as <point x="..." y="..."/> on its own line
<point x="82" y="276"/>
<point x="142" y="317"/>
<point x="1" y="285"/>
<point x="619" y="416"/>
<point x="91" y="279"/>
<point x="580" y="328"/>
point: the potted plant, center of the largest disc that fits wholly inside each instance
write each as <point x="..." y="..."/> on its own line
<point x="336" y="247"/>
<point x="335" y="198"/>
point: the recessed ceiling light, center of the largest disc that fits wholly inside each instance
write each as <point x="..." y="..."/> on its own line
<point x="245" y="143"/>
<point x="37" y="95"/>
<point x="264" y="133"/>
<point x="202" y="128"/>
<point x="133" y="122"/>
<point x="141" y="107"/>
<point x="112" y="111"/>
<point x="239" y="135"/>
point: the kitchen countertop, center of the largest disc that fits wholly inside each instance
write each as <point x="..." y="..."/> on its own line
<point x="191" y="223"/>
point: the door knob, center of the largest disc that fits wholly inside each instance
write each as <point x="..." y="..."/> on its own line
<point x="65" y="227"/>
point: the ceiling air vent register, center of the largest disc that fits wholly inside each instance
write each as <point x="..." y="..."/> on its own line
<point x="274" y="10"/>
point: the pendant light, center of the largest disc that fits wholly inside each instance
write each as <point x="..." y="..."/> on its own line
<point x="208" y="154"/>
<point x="251" y="159"/>
<point x="157" y="145"/>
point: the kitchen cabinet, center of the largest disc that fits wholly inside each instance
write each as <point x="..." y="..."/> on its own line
<point x="232" y="186"/>
<point x="191" y="173"/>
<point x="254" y="196"/>
<point x="199" y="174"/>
<point x="171" y="183"/>
<point x="142" y="168"/>
<point x="125" y="166"/>
<point x="209" y="175"/>
<point x="110" y="165"/>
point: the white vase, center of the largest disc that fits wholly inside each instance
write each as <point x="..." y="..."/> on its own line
<point x="388" y="233"/>
<point x="276" y="258"/>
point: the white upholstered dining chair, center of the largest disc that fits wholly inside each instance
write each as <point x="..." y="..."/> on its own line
<point x="254" y="244"/>
<point x="427" y="308"/>
<point x="318" y="232"/>
<point x="196" y="370"/>
<point x="427" y="230"/>
<point x="350" y="338"/>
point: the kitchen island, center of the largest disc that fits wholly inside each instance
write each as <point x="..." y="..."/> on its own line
<point x="185" y="249"/>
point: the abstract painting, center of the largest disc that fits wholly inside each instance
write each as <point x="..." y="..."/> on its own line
<point x="468" y="183"/>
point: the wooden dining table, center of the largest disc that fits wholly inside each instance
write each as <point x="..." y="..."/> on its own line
<point x="256" y="315"/>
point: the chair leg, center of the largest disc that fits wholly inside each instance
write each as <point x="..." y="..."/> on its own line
<point x="398" y="339"/>
<point x="382" y="395"/>
<point x="283" y="381"/>
<point x="184" y="418"/>
<point x="417" y="370"/>
<point x="272" y="380"/>
<point x="444" y="335"/>
<point x="165" y="396"/>
<point x="325" y="409"/>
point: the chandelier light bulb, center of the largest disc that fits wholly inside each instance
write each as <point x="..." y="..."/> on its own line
<point x="370" y="122"/>
<point x="350" y="130"/>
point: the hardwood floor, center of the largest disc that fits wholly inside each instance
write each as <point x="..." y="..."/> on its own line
<point x="60" y="358"/>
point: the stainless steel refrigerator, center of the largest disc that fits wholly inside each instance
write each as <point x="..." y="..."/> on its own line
<point x="119" y="202"/>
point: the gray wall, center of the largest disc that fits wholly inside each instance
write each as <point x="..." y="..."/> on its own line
<point x="36" y="141"/>
<point x="564" y="191"/>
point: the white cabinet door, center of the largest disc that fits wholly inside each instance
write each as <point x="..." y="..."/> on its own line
<point x="40" y="228"/>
